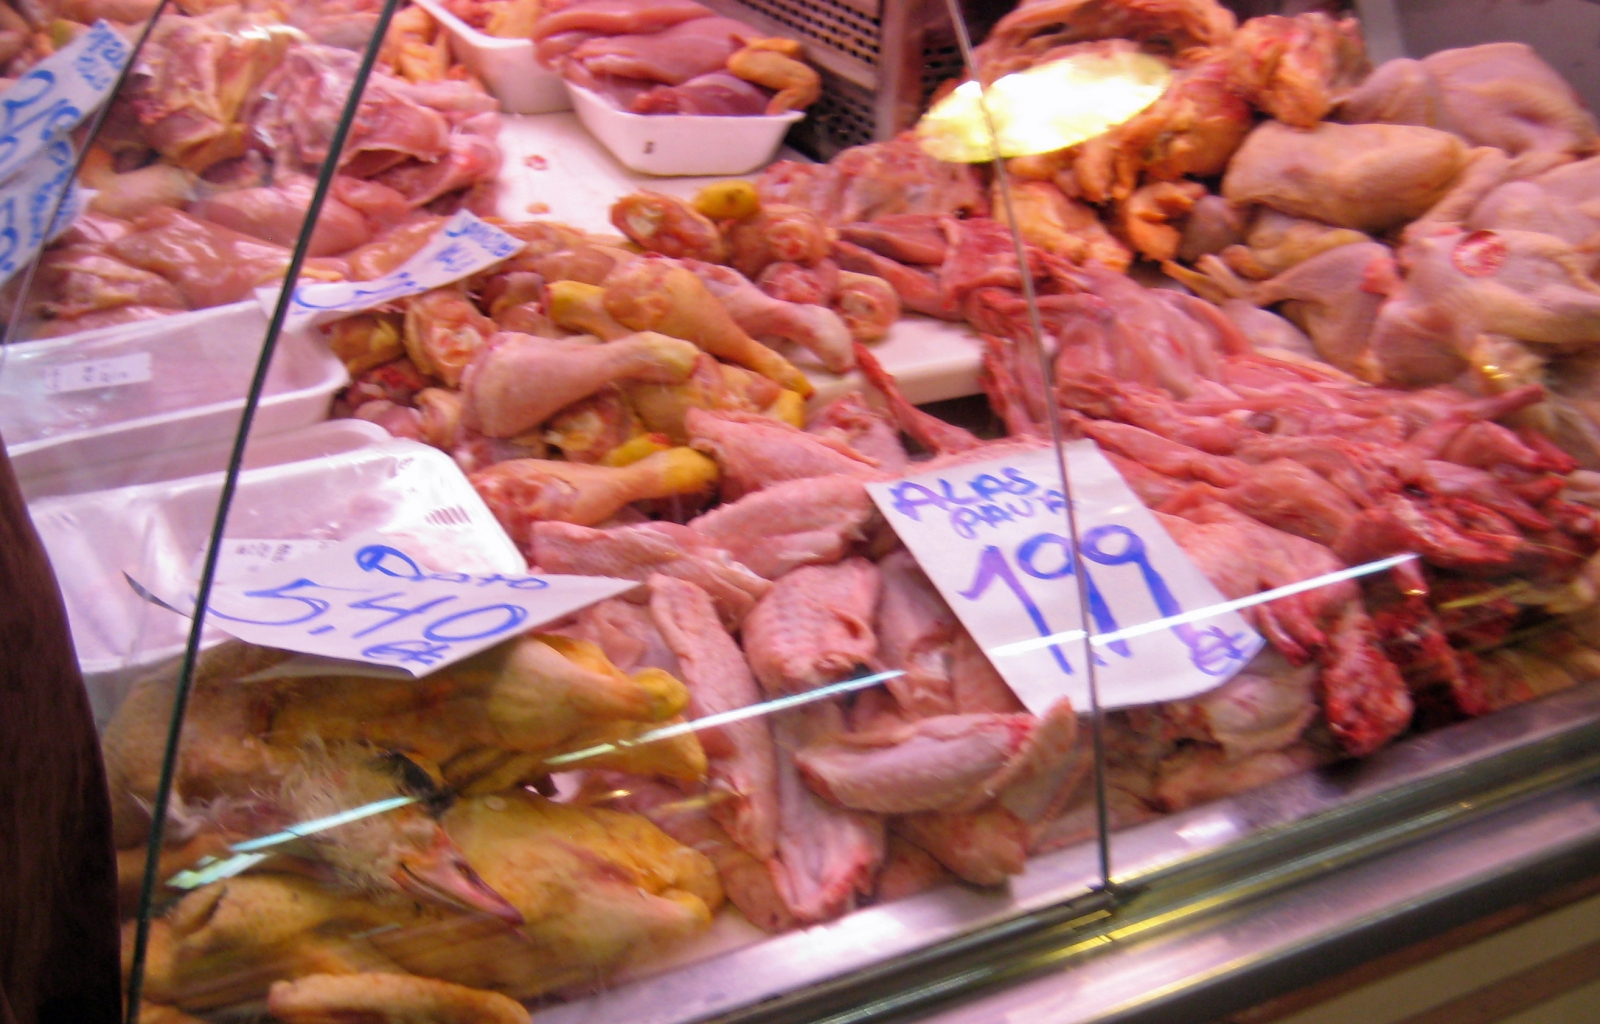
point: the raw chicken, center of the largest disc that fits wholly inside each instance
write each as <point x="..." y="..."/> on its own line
<point x="1335" y="298"/>
<point x="817" y="329"/>
<point x="638" y="552"/>
<point x="869" y="181"/>
<point x="814" y="627"/>
<point x="1371" y="177"/>
<point x="908" y="870"/>
<point x="618" y="17"/>
<point x="671" y="56"/>
<point x="1523" y="285"/>
<point x="741" y="757"/>
<point x="826" y="854"/>
<point x="1265" y="707"/>
<point x="798" y="522"/>
<point x="868" y="305"/>
<point x="668" y="225"/>
<point x="717" y="94"/>
<point x="521" y="492"/>
<point x="851" y="420"/>
<point x="916" y="630"/>
<point x="947" y="762"/>
<point x="746" y="880"/>
<point x="777" y="234"/>
<point x="625" y="631"/>
<point x="1296" y="68"/>
<point x="210" y="265"/>
<point x="278" y="214"/>
<point x="1057" y="224"/>
<point x="756" y="452"/>
<point x="1498" y="94"/>
<point x="1277" y="242"/>
<point x="656" y="294"/>
<point x="984" y="848"/>
<point x="518" y="381"/>
<point x="1030" y="33"/>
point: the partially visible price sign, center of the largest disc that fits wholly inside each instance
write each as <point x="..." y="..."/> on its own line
<point x="463" y="246"/>
<point x="368" y="600"/>
<point x="992" y="537"/>
<point x="57" y="93"/>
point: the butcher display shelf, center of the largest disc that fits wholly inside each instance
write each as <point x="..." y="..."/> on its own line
<point x="559" y="171"/>
<point x="580" y="649"/>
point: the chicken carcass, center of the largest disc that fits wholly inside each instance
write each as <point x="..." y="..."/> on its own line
<point x="869" y="181"/>
<point x="1030" y="33"/>
<point x="741" y="759"/>
<point x="798" y="522"/>
<point x="1370" y="177"/>
<point x="638" y="552"/>
<point x="1335" y="297"/>
<point x="1296" y="68"/>
<point x="814" y="627"/>
<point x="518" y="381"/>
<point x="1498" y="94"/>
<point x="670" y="56"/>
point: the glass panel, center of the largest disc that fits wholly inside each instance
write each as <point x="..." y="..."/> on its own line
<point x="775" y="757"/>
<point x="1368" y="512"/>
<point x="1243" y="497"/>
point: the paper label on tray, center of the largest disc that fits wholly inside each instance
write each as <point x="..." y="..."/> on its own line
<point x="992" y="536"/>
<point x="90" y="374"/>
<point x="368" y="600"/>
<point x="57" y="93"/>
<point x="37" y="204"/>
<point x="461" y="248"/>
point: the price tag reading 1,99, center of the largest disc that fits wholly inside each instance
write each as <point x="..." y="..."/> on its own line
<point x="369" y="600"/>
<point x="992" y="537"/>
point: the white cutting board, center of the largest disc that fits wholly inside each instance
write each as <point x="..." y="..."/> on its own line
<point x="579" y="180"/>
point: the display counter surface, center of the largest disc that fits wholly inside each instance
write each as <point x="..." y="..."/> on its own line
<point x="554" y="168"/>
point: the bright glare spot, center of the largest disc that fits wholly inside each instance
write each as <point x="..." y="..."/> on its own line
<point x="1044" y="108"/>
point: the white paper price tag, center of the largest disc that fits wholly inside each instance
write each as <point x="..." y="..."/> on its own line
<point x="992" y="537"/>
<point x="32" y="207"/>
<point x="462" y="247"/>
<point x="90" y="374"/>
<point x="57" y="93"/>
<point x="368" y="600"/>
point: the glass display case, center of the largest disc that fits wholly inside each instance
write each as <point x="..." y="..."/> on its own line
<point x="1120" y="459"/>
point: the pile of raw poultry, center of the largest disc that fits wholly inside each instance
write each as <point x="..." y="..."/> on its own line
<point x="635" y="407"/>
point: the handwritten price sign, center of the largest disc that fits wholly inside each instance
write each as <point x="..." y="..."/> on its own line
<point x="992" y="537"/>
<point x="461" y="248"/>
<point x="368" y="600"/>
<point x="57" y="93"/>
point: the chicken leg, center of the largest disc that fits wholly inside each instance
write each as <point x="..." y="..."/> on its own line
<point x="518" y="381"/>
<point x="523" y="491"/>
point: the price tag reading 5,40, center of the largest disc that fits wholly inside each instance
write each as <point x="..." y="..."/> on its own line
<point x="369" y="600"/>
<point x="992" y="537"/>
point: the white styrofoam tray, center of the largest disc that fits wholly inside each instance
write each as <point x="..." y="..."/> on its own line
<point x="157" y="534"/>
<point x="553" y="165"/>
<point x="678" y="145"/>
<point x="199" y="369"/>
<point x="508" y="67"/>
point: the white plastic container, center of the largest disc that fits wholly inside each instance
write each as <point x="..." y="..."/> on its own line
<point x="157" y="534"/>
<point x="672" y="145"/>
<point x="508" y="67"/>
<point x="178" y="382"/>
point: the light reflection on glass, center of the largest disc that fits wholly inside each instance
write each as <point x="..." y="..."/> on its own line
<point x="1043" y="109"/>
<point x="1155" y="625"/>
